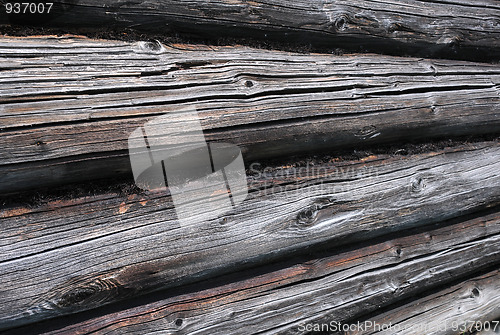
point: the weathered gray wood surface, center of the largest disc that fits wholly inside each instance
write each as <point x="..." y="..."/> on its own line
<point x="451" y="28"/>
<point x="99" y="249"/>
<point x="324" y="288"/>
<point x="68" y="105"/>
<point x="458" y="309"/>
<point x="332" y="242"/>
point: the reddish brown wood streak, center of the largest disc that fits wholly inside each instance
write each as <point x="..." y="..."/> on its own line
<point x="207" y="301"/>
<point x="315" y="102"/>
<point x="92" y="250"/>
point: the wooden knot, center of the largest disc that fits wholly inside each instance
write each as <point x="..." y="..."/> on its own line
<point x="151" y="47"/>
<point x="393" y="27"/>
<point x="76" y="296"/>
<point x="433" y="110"/>
<point x="308" y="215"/>
<point x="433" y="69"/>
<point x="92" y="293"/>
<point x="454" y="41"/>
<point x="417" y="185"/>
<point x="341" y="22"/>
<point x="367" y="132"/>
<point x="311" y="213"/>
<point x="397" y="26"/>
<point x="398" y="251"/>
<point x="402" y="152"/>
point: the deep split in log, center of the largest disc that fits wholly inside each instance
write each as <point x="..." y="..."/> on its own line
<point x="97" y="250"/>
<point x="471" y="306"/>
<point x="373" y="179"/>
<point x="69" y="104"/>
<point x="320" y="288"/>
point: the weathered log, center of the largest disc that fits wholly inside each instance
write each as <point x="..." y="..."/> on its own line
<point x="467" y="307"/>
<point x="99" y="249"/>
<point x="68" y="105"/>
<point x="320" y="288"/>
<point x="452" y="28"/>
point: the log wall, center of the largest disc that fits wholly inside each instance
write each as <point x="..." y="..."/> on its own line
<point x="371" y="151"/>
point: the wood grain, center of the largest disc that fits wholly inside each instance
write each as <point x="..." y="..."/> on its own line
<point x="451" y="28"/>
<point x="71" y="255"/>
<point x="475" y="302"/>
<point x="68" y="104"/>
<point x="337" y="287"/>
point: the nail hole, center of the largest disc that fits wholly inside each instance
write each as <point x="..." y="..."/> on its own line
<point x="433" y="69"/>
<point x="178" y="322"/>
<point x="248" y="83"/>
<point x="398" y="251"/>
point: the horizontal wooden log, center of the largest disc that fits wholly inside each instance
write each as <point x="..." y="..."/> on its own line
<point x="452" y="28"/>
<point x="319" y="288"/>
<point x="467" y="307"/>
<point x="68" y="104"/>
<point x="70" y="255"/>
